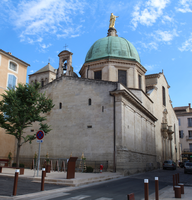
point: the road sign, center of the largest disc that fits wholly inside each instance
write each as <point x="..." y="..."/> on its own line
<point x="39" y="141"/>
<point x="40" y="135"/>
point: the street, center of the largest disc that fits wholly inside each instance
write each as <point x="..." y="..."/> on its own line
<point x="118" y="189"/>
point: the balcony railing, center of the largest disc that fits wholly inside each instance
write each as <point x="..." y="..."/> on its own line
<point x="188" y="138"/>
<point x="187" y="150"/>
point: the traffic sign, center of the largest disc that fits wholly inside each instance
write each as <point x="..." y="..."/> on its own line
<point x="40" y="135"/>
<point x="39" y="141"/>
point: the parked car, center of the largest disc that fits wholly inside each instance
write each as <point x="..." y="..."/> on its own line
<point x="187" y="167"/>
<point x="169" y="164"/>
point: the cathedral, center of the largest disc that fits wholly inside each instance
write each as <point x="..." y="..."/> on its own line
<point x="112" y="112"/>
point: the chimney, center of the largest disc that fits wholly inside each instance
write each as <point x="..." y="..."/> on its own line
<point x="189" y="105"/>
<point x="9" y="53"/>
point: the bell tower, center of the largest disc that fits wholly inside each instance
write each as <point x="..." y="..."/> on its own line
<point x="65" y="64"/>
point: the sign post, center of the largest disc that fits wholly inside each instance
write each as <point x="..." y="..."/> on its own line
<point x="39" y="136"/>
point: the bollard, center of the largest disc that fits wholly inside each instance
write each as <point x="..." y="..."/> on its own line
<point x="182" y="187"/>
<point x="173" y="182"/>
<point x="176" y="180"/>
<point x="131" y="196"/>
<point x="156" y="188"/>
<point x="146" y="189"/>
<point x="15" y="182"/>
<point x="177" y="192"/>
<point x="43" y="179"/>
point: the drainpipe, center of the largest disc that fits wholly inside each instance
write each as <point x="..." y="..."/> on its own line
<point x="87" y="71"/>
<point x="114" y="132"/>
<point x="114" y="136"/>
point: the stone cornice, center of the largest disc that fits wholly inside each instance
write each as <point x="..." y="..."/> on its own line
<point x="135" y="101"/>
<point x="142" y="92"/>
<point x="113" y="60"/>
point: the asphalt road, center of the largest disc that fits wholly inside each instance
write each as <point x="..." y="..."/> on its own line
<point x="110" y="190"/>
<point x="118" y="189"/>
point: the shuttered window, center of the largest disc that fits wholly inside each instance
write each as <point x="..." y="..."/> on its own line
<point x="163" y="95"/>
<point x="98" y="75"/>
<point x="180" y="134"/>
<point x="122" y="77"/>
<point x="11" y="81"/>
<point x="189" y="122"/>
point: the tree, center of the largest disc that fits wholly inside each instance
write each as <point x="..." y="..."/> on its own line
<point x="19" y="108"/>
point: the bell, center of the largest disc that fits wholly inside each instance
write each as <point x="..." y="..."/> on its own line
<point x="65" y="66"/>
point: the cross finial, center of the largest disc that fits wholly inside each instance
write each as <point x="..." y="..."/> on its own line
<point x="65" y="46"/>
<point x="49" y="60"/>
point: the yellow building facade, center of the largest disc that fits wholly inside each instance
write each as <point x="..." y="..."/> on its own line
<point x="12" y="71"/>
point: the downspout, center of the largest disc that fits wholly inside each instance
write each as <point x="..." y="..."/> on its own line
<point x="114" y="132"/>
<point x="114" y="136"/>
<point x="87" y="71"/>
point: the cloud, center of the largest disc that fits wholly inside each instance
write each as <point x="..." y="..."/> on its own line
<point x="187" y="45"/>
<point x="166" y="18"/>
<point x="149" y="67"/>
<point x="150" y="45"/>
<point x="184" y="6"/>
<point x="165" y="36"/>
<point x="44" y="46"/>
<point x="148" y="13"/>
<point x="36" y="18"/>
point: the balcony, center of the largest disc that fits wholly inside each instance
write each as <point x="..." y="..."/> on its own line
<point x="187" y="150"/>
<point x="188" y="138"/>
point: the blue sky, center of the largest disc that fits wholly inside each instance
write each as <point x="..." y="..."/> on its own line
<point x="161" y="30"/>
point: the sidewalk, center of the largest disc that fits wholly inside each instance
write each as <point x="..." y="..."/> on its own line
<point x="59" y="178"/>
<point x="167" y="193"/>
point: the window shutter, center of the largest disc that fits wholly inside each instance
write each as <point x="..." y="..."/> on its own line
<point x="181" y="134"/>
<point x="10" y="81"/>
<point x="14" y="82"/>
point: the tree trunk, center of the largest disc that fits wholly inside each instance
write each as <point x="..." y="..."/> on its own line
<point x="18" y="151"/>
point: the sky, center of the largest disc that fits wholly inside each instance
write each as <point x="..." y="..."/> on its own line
<point x="36" y="31"/>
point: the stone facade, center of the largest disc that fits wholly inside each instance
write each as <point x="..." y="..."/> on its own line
<point x="184" y="115"/>
<point x="112" y="112"/>
<point x="19" y="72"/>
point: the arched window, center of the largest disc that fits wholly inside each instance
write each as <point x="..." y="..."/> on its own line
<point x="163" y="96"/>
<point x="60" y="105"/>
<point x="89" y="102"/>
<point x="11" y="83"/>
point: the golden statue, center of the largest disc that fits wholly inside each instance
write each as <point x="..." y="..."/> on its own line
<point x="112" y="20"/>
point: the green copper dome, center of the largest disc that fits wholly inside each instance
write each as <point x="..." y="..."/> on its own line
<point x="113" y="47"/>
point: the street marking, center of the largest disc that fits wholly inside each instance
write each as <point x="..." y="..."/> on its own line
<point x="103" y="198"/>
<point x="51" y="196"/>
<point x="78" y="197"/>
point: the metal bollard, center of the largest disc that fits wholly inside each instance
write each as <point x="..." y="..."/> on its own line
<point x="15" y="182"/>
<point x="177" y="192"/>
<point x="146" y="189"/>
<point x="43" y="179"/>
<point x="176" y="180"/>
<point x="131" y="196"/>
<point x="173" y="182"/>
<point x="182" y="187"/>
<point x="156" y="188"/>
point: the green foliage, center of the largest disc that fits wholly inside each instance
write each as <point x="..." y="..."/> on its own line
<point x="89" y="169"/>
<point x="21" y="107"/>
<point x="21" y="165"/>
<point x="14" y="164"/>
<point x="10" y="156"/>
